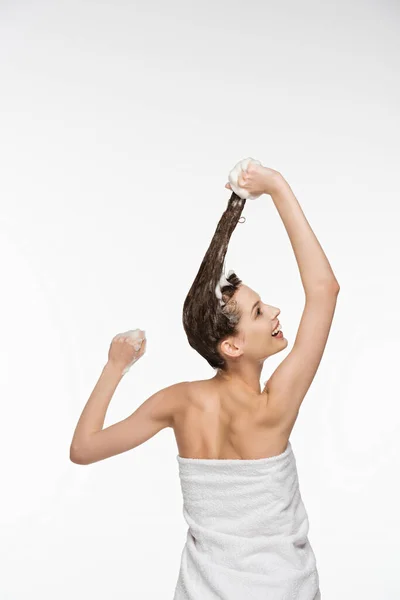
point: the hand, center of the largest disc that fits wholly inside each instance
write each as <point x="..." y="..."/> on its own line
<point x="126" y="348"/>
<point x="258" y="180"/>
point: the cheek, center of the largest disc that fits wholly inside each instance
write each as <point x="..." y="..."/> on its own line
<point x="260" y="331"/>
<point x="263" y="323"/>
<point x="264" y="329"/>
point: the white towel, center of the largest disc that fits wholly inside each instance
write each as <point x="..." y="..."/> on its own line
<point x="247" y="535"/>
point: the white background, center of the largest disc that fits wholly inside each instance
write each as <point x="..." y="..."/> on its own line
<point x="119" y="124"/>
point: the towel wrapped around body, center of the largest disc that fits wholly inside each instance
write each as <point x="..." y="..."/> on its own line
<point x="248" y="527"/>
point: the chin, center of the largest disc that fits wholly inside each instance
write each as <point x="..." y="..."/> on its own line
<point x="283" y="345"/>
<point x="278" y="347"/>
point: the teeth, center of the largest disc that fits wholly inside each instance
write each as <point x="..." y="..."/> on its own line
<point x="276" y="330"/>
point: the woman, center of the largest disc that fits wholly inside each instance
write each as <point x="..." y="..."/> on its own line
<point x="248" y="527"/>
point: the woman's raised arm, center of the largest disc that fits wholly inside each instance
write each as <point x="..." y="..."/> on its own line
<point x="290" y="381"/>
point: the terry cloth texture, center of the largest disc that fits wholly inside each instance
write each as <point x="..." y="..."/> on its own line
<point x="248" y="527"/>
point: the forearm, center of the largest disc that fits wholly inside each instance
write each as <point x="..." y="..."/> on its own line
<point x="313" y="264"/>
<point x="94" y="413"/>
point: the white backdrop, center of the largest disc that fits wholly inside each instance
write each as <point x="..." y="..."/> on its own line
<point x="119" y="124"/>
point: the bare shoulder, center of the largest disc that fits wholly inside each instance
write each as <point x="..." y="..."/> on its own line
<point x="177" y="393"/>
<point x="194" y="392"/>
<point x="192" y="395"/>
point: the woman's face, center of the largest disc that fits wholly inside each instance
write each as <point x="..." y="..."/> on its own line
<point x="258" y="321"/>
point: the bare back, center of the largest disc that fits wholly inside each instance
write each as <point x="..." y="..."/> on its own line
<point x="214" y="421"/>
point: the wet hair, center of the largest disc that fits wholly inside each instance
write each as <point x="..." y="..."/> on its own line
<point x="207" y="318"/>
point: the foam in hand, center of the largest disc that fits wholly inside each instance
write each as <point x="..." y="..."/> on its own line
<point x="135" y="338"/>
<point x="234" y="174"/>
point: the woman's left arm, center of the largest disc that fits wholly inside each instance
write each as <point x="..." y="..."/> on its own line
<point x="92" y="443"/>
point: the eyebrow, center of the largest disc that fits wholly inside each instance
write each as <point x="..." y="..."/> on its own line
<point x="254" y="305"/>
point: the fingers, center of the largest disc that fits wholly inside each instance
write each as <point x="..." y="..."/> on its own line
<point x="242" y="180"/>
<point x="138" y="343"/>
<point x="141" y="347"/>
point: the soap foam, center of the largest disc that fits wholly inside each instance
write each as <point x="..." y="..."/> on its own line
<point x="135" y="337"/>
<point x="234" y="174"/>
<point x="223" y="281"/>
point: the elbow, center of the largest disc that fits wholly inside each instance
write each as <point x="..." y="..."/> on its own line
<point x="334" y="286"/>
<point x="330" y="286"/>
<point x="77" y="457"/>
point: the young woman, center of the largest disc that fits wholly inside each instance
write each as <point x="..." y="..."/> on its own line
<point x="248" y="527"/>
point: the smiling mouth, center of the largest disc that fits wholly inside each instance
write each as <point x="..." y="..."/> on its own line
<point x="277" y="330"/>
<point x="278" y="335"/>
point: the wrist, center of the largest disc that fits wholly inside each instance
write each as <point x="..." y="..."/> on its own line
<point x="277" y="184"/>
<point x="114" y="369"/>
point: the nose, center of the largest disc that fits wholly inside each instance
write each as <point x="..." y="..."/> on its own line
<point x="275" y="311"/>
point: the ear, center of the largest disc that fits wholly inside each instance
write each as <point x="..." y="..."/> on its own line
<point x="231" y="348"/>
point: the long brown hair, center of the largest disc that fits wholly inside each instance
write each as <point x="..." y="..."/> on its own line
<point x="209" y="313"/>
